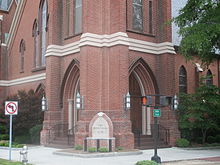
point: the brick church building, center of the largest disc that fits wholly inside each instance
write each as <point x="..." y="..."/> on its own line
<point x="95" y="52"/>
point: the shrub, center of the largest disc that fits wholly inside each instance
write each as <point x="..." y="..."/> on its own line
<point x="4" y="137"/>
<point x="30" y="113"/>
<point x="199" y="140"/>
<point x="146" y="162"/>
<point x="217" y="138"/>
<point x="103" y="149"/>
<point x="35" y="133"/>
<point x="91" y="149"/>
<point x="211" y="139"/>
<point x="18" y="146"/>
<point x="119" y="148"/>
<point x="4" y="143"/>
<point x="78" y="147"/>
<point x="182" y="142"/>
<point x="212" y="145"/>
<point x="3" y="129"/>
<point x="23" y="139"/>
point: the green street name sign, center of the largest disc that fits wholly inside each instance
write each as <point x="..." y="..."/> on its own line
<point x="157" y="113"/>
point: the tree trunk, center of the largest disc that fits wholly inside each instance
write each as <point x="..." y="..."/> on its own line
<point x="204" y="131"/>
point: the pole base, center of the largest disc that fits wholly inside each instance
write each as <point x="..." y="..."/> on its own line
<point x="156" y="158"/>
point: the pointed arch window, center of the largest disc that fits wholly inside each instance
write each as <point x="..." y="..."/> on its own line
<point x="35" y="33"/>
<point x="141" y="16"/>
<point x="22" y="50"/>
<point x="43" y="30"/>
<point x="182" y="80"/>
<point x="209" y="78"/>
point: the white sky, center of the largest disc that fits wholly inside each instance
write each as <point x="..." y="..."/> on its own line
<point x="176" y="6"/>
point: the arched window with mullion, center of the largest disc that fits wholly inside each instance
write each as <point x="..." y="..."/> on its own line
<point x="43" y="30"/>
<point x="182" y="80"/>
<point x="78" y="17"/>
<point x="68" y="14"/>
<point x="35" y="34"/>
<point x="137" y="22"/>
<point x="209" y="78"/>
<point x="22" y="50"/>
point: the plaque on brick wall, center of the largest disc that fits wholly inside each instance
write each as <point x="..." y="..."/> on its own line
<point x="100" y="128"/>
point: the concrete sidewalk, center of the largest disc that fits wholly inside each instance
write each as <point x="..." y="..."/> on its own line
<point x="44" y="156"/>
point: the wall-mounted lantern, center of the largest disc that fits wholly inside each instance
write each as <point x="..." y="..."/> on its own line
<point x="175" y="102"/>
<point x="127" y="101"/>
<point x="44" y="106"/>
<point x="79" y="101"/>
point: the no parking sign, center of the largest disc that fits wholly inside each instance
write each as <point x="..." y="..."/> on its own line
<point x="11" y="108"/>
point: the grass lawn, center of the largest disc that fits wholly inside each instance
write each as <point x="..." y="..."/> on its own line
<point x="6" y="162"/>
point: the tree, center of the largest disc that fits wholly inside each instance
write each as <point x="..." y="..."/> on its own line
<point x="199" y="23"/>
<point x="29" y="112"/>
<point x="200" y="110"/>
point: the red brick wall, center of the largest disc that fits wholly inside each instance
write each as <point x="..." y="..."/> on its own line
<point x="191" y="73"/>
<point x="104" y="72"/>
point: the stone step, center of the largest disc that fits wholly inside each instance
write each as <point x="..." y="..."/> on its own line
<point x="59" y="146"/>
<point x="62" y="142"/>
<point x="152" y="147"/>
<point x="147" y="142"/>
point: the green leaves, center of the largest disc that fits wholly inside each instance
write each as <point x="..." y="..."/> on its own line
<point x="200" y="110"/>
<point x="29" y="112"/>
<point x="199" y="23"/>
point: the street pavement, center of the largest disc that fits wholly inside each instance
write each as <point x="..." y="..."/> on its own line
<point x="40" y="155"/>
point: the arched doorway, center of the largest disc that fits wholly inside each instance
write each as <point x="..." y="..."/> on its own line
<point x="136" y="108"/>
<point x="69" y="89"/>
<point x="141" y="83"/>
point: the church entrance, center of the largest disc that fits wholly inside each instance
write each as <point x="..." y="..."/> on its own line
<point x="141" y="83"/>
<point x="136" y="107"/>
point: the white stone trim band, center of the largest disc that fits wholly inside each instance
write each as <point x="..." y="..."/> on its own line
<point x="23" y="80"/>
<point x="120" y="38"/>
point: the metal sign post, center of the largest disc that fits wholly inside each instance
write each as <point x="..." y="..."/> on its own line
<point x="11" y="108"/>
<point x="156" y="158"/>
<point x="10" y="137"/>
<point x="160" y="101"/>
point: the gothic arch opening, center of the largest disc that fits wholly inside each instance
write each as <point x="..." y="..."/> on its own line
<point x="69" y="89"/>
<point x="142" y="82"/>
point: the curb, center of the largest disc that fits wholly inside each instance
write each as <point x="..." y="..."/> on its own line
<point x="7" y="148"/>
<point x="98" y="155"/>
<point x="199" y="148"/>
<point x="16" y="149"/>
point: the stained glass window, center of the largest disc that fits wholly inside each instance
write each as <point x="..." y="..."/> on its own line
<point x="43" y="31"/>
<point x="5" y="4"/>
<point x="78" y="17"/>
<point x="137" y="15"/>
<point x="150" y="17"/>
<point x="209" y="79"/>
<point x="182" y="80"/>
<point x="22" y="49"/>
<point x="36" y="46"/>
<point x="67" y="17"/>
